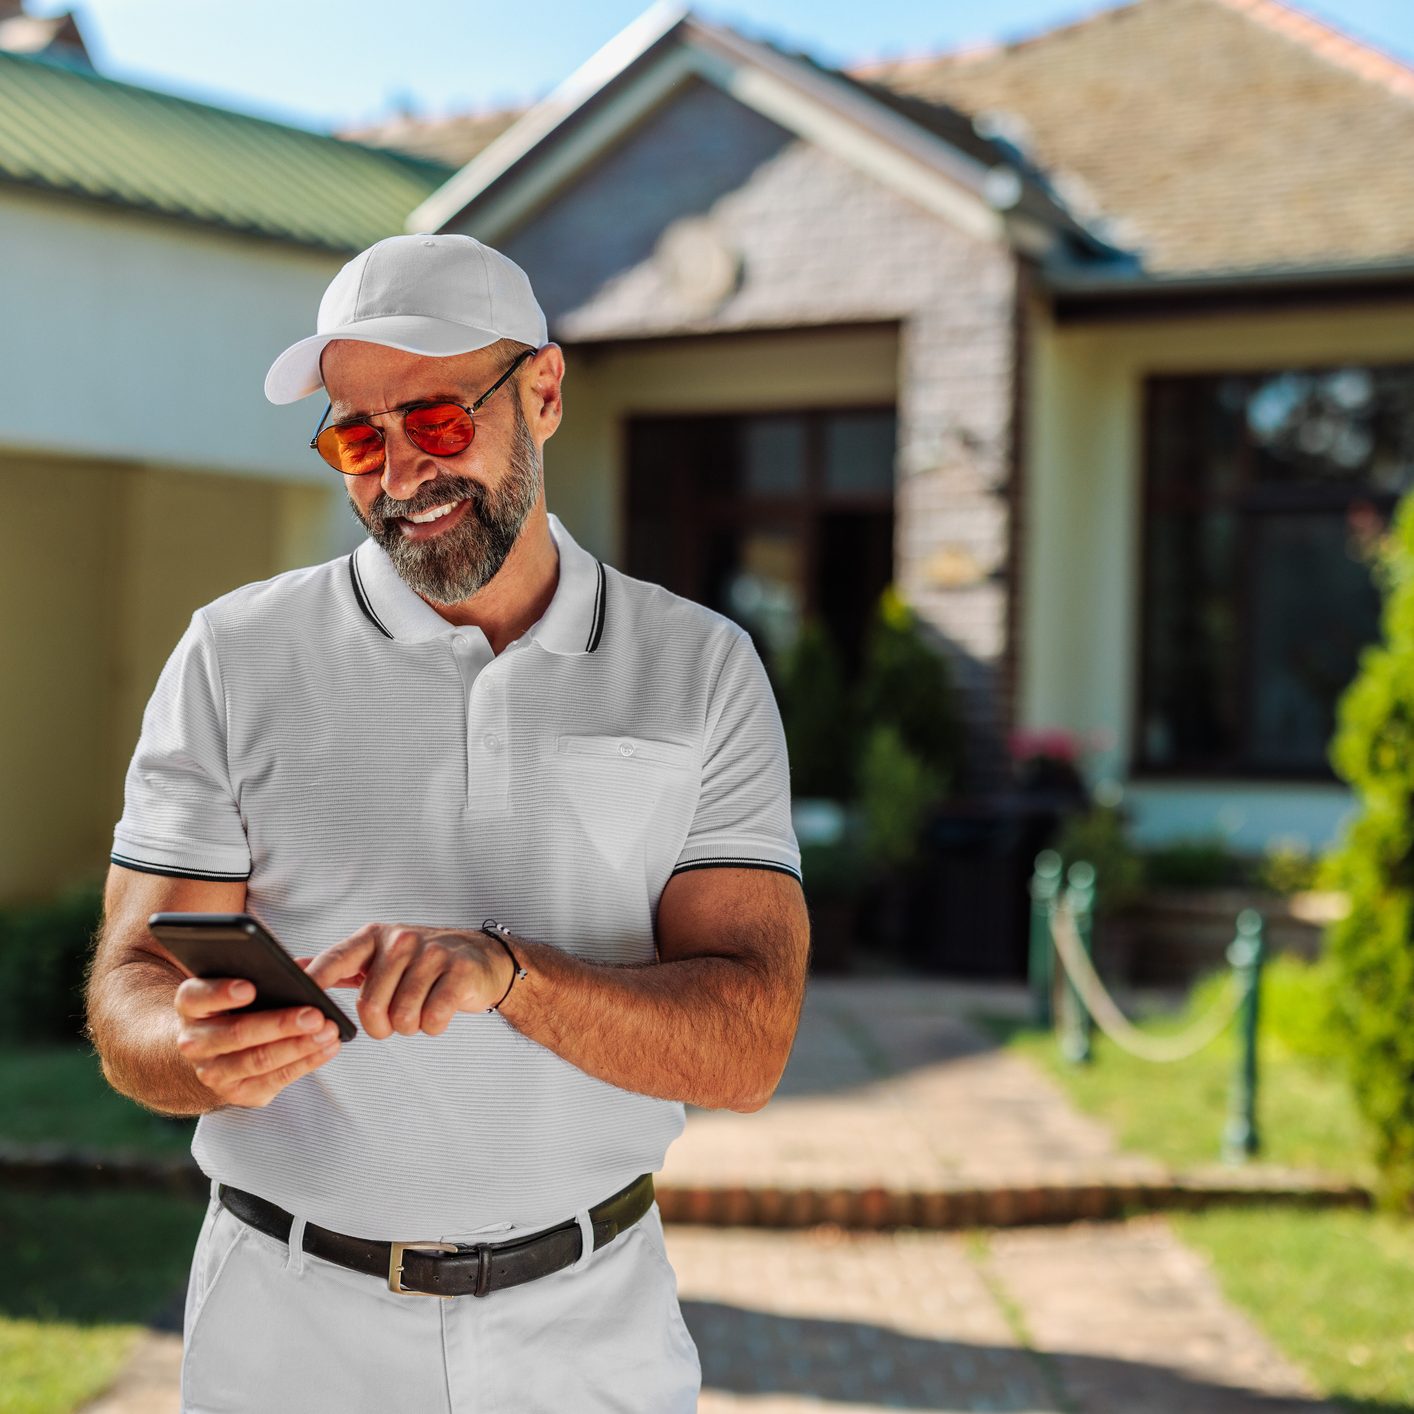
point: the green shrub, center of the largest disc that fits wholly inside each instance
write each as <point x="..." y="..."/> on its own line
<point x="1199" y="862"/>
<point x="817" y="715"/>
<point x="44" y="948"/>
<point x="896" y="787"/>
<point x="1370" y="948"/>
<point x="833" y="871"/>
<point x="1296" y="1008"/>
<point x="1287" y="868"/>
<point x="907" y="684"/>
<point x="1099" y="837"/>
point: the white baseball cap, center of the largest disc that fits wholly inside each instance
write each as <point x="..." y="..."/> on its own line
<point x="426" y="294"/>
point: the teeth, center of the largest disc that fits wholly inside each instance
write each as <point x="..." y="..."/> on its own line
<point x="436" y="514"/>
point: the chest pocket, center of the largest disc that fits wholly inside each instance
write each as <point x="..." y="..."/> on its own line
<point x="619" y="787"/>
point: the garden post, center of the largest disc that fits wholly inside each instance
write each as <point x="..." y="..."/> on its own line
<point x="1075" y="1039"/>
<point x="1240" y="1139"/>
<point x="1045" y="885"/>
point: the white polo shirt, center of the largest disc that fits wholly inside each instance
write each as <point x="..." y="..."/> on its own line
<point x="328" y="737"/>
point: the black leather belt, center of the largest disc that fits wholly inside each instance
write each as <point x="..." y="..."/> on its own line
<point x="444" y="1268"/>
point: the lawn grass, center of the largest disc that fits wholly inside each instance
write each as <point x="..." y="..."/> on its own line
<point x="1332" y="1288"/>
<point x="57" y="1093"/>
<point x="84" y="1273"/>
<point x="1176" y="1112"/>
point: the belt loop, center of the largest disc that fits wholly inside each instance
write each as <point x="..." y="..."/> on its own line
<point x="294" y="1262"/>
<point x="586" y="1233"/>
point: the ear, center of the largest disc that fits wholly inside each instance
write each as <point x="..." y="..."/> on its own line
<point x="540" y="390"/>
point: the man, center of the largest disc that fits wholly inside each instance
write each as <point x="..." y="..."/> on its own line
<point x="537" y="813"/>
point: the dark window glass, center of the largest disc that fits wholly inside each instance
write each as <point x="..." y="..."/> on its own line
<point x="859" y="452"/>
<point x="773" y="456"/>
<point x="1261" y="492"/>
<point x="767" y="517"/>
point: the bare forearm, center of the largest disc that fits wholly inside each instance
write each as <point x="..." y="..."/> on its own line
<point x="709" y="1031"/>
<point x="133" y="1026"/>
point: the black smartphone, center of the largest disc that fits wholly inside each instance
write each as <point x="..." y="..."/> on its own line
<point x="240" y="945"/>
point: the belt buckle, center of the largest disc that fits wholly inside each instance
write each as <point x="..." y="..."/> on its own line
<point x="395" y="1266"/>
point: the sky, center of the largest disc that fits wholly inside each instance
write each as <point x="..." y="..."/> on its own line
<point x="331" y="64"/>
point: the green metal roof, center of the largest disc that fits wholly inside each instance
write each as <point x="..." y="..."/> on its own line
<point x="65" y="128"/>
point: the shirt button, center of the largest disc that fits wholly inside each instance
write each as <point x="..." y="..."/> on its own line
<point x="491" y="741"/>
<point x="625" y="748"/>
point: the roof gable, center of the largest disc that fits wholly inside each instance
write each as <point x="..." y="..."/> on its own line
<point x="977" y="184"/>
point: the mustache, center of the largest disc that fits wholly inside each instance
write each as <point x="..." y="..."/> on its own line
<point x="388" y="509"/>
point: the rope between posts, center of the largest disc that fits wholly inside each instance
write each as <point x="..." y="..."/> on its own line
<point x="1113" y="1022"/>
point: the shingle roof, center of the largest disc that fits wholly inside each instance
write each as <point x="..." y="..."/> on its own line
<point x="454" y="140"/>
<point x="1212" y="135"/>
<point x="65" y="128"/>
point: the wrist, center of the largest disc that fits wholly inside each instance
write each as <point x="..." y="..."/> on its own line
<point x="513" y="970"/>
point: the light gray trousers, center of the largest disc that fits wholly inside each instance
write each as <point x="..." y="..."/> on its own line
<point x="270" y="1328"/>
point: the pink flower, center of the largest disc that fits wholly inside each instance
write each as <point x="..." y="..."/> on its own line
<point x="1054" y="743"/>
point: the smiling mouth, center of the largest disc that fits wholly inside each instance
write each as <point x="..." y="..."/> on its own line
<point x="425" y="530"/>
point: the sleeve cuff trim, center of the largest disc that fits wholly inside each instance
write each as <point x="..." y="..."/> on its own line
<point x="727" y="862"/>
<point x="177" y="871"/>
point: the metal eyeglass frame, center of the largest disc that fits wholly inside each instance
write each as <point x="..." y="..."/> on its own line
<point x="406" y="408"/>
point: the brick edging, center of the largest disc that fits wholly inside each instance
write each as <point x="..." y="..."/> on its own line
<point x="873" y="1209"/>
<point x="943" y="1209"/>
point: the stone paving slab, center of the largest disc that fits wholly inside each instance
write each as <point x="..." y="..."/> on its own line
<point x="889" y="1085"/>
<point x="1136" y="1321"/>
<point x="828" y="1320"/>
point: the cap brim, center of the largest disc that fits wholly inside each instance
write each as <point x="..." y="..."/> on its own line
<point x="295" y="374"/>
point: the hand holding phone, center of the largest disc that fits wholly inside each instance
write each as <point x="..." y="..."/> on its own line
<point x="252" y="1021"/>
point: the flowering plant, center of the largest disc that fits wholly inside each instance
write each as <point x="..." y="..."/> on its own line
<point x="1048" y="758"/>
<point x="1053" y="743"/>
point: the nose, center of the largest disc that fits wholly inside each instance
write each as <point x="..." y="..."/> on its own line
<point x="405" y="468"/>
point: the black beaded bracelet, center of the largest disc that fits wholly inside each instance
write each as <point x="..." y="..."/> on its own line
<point x="492" y="929"/>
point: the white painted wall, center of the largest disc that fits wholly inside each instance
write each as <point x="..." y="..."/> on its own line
<point x="132" y="337"/>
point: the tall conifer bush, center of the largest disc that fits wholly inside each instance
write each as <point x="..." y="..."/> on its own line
<point x="1371" y="950"/>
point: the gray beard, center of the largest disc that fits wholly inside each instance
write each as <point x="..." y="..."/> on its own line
<point x="456" y="564"/>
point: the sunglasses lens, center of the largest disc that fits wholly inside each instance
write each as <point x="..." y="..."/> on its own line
<point x="442" y="430"/>
<point x="354" y="450"/>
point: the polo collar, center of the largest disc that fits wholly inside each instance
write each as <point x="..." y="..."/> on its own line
<point x="573" y="622"/>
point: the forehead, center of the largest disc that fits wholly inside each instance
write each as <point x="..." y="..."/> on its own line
<point x="361" y="377"/>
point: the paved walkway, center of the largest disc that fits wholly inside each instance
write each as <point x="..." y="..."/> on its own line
<point x="890" y="1085"/>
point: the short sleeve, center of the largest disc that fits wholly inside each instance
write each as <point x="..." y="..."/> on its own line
<point x="180" y="815"/>
<point x="743" y="812"/>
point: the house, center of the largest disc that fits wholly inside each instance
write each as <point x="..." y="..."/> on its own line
<point x="157" y="253"/>
<point x="1097" y="345"/>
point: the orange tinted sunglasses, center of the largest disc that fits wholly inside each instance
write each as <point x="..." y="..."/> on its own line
<point x="441" y="429"/>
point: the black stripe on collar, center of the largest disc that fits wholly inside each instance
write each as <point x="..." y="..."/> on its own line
<point x="596" y="632"/>
<point x="362" y="598"/>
